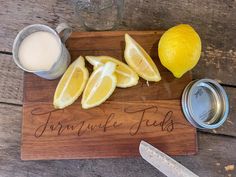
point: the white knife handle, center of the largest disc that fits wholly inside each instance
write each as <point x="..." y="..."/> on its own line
<point x="163" y="162"/>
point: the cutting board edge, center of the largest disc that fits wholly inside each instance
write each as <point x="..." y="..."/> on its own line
<point x="84" y="34"/>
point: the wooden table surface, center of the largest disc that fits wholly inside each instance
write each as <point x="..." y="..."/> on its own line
<point x="215" y="21"/>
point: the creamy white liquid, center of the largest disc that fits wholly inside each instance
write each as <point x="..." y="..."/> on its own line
<point x="39" y="51"/>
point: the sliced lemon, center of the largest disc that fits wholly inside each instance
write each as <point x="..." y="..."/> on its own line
<point x="138" y="59"/>
<point x="126" y="77"/>
<point x="71" y="84"/>
<point x="100" y="86"/>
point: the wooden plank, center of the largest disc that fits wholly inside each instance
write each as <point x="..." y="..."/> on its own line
<point x="131" y="115"/>
<point x="214" y="18"/>
<point x="214" y="21"/>
<point x="12" y="78"/>
<point x="112" y="43"/>
<point x="217" y="64"/>
<point x="15" y="15"/>
<point x="167" y="88"/>
<point x="113" y="40"/>
<point x="215" y="152"/>
<point x="11" y="81"/>
<point x="114" y="129"/>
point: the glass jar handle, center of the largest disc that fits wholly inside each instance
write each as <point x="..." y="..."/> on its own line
<point x="64" y="31"/>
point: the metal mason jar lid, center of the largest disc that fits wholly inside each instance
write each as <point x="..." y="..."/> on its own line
<point x="205" y="104"/>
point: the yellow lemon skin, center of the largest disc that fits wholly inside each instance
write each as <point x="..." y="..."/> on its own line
<point x="179" y="49"/>
<point x="139" y="60"/>
<point x="71" y="85"/>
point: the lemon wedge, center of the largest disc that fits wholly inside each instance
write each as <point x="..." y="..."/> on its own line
<point x="100" y="86"/>
<point x="71" y="84"/>
<point x="138" y="59"/>
<point x="126" y="77"/>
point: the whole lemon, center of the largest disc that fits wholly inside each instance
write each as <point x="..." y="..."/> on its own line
<point x="179" y="49"/>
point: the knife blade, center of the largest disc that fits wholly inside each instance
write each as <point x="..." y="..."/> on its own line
<point x="163" y="162"/>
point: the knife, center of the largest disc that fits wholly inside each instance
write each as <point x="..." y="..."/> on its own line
<point x="163" y="162"/>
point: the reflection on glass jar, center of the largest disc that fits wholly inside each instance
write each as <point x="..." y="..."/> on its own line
<point x="99" y="14"/>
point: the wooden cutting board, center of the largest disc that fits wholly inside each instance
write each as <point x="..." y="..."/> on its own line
<point x="150" y="112"/>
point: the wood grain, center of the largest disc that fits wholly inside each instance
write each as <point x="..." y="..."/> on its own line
<point x="114" y="129"/>
<point x="217" y="64"/>
<point x="14" y="81"/>
<point x="11" y="81"/>
<point x="112" y="44"/>
<point x="210" y="161"/>
<point x="15" y="15"/>
<point x="214" y="20"/>
<point x="130" y="114"/>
